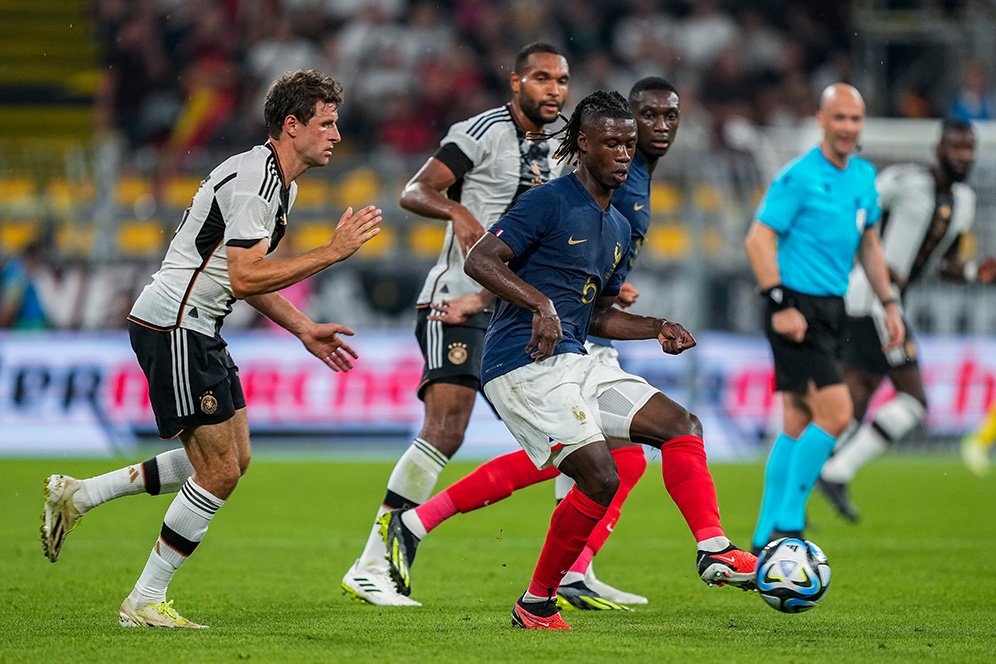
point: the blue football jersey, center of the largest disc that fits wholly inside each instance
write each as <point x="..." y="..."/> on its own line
<point x="569" y="249"/>
<point x="633" y="200"/>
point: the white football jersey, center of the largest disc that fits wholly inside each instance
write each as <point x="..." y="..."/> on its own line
<point x="241" y="202"/>
<point x="493" y="163"/>
<point x="918" y="228"/>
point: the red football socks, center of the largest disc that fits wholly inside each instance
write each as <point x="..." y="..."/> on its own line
<point x="570" y="527"/>
<point x="489" y="483"/>
<point x="687" y="479"/>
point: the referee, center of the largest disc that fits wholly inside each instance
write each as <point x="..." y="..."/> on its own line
<point x="819" y="212"/>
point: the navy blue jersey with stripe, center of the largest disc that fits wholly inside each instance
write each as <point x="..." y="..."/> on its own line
<point x="633" y="200"/>
<point x="569" y="249"/>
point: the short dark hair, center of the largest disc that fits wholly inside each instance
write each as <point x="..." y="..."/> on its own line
<point x="297" y="93"/>
<point x="650" y="83"/>
<point x="599" y="104"/>
<point x="955" y="124"/>
<point x="536" y="47"/>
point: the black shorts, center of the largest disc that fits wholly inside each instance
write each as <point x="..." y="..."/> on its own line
<point x="452" y="353"/>
<point x="864" y="337"/>
<point x="192" y="378"/>
<point x="816" y="358"/>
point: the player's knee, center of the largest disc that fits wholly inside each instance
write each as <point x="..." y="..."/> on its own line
<point x="244" y="464"/>
<point x="684" y="423"/>
<point x="602" y="487"/>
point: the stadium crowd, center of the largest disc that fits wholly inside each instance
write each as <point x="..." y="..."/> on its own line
<point x="185" y="74"/>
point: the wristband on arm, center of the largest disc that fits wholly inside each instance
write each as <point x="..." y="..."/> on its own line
<point x="778" y="297"/>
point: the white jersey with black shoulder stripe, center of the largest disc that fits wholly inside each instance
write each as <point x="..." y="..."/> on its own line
<point x="918" y="228"/>
<point x="494" y="163"/>
<point x="241" y="202"/>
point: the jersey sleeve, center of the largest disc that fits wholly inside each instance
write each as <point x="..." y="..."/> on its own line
<point x="461" y="151"/>
<point x="247" y="224"/>
<point x="529" y="219"/>
<point x="870" y="200"/>
<point x="782" y="202"/>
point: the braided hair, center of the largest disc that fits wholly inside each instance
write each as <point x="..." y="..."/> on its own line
<point x="599" y="104"/>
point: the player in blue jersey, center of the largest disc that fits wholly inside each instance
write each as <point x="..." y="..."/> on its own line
<point x="655" y="104"/>
<point x="556" y="261"/>
<point x="819" y="212"/>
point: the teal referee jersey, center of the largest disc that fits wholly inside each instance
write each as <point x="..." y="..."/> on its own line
<point x="819" y="212"/>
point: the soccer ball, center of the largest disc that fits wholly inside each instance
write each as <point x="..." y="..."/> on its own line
<point x="792" y="574"/>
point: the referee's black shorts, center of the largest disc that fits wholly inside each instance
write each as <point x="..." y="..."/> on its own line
<point x="192" y="378"/>
<point x="816" y="359"/>
<point x="452" y="353"/>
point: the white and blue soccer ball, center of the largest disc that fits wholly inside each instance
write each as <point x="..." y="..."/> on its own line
<point x="792" y="574"/>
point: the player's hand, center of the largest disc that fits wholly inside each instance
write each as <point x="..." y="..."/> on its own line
<point x="323" y="341"/>
<point x="457" y="310"/>
<point x="468" y="230"/>
<point x="547" y="333"/>
<point x="790" y="323"/>
<point x="674" y="338"/>
<point x="987" y="271"/>
<point x="353" y="230"/>
<point x="895" y="327"/>
<point x="627" y="296"/>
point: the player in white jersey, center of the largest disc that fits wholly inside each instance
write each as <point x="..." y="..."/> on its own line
<point x="218" y="255"/>
<point x="926" y="211"/>
<point x="482" y="165"/>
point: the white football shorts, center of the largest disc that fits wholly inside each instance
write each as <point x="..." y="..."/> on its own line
<point x="564" y="402"/>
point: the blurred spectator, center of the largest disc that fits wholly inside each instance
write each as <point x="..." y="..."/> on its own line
<point x="135" y="96"/>
<point x="645" y="34"/>
<point x="974" y="99"/>
<point x="21" y="306"/>
<point x="705" y="33"/>
<point x="280" y="51"/>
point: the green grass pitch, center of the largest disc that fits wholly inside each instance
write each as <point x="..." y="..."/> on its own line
<point x="916" y="580"/>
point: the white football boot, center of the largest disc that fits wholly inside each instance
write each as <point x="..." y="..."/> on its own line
<point x="153" y="615"/>
<point x="374" y="586"/>
<point x="60" y="515"/>
<point x="608" y="592"/>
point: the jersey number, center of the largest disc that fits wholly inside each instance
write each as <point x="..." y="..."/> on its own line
<point x="589" y="291"/>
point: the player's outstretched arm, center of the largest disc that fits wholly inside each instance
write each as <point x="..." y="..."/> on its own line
<point x="321" y="339"/>
<point x="487" y="264"/>
<point x="252" y="273"/>
<point x="611" y="323"/>
<point x="423" y="196"/>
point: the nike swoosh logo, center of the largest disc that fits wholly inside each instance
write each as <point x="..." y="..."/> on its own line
<point x="571" y="240"/>
<point x="637" y="207"/>
<point x="726" y="559"/>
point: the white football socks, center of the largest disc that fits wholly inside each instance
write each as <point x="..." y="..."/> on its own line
<point x="412" y="481"/>
<point x="164" y="473"/>
<point x="184" y="526"/>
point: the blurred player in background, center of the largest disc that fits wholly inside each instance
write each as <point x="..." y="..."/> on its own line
<point x="925" y="212"/>
<point x="218" y="254"/>
<point x="655" y="104"/>
<point x="819" y="212"/>
<point x="556" y="261"/>
<point x="484" y="164"/>
<point x="975" y="447"/>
